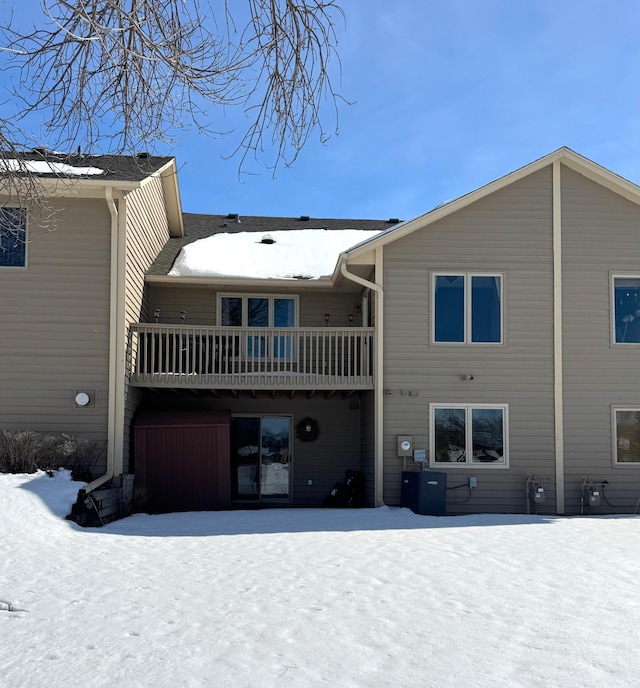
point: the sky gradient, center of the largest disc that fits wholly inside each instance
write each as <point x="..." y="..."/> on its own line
<point x="445" y="96"/>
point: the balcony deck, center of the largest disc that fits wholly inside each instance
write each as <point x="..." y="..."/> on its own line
<point x="237" y="358"/>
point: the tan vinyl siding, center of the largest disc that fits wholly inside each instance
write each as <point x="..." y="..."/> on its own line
<point x="200" y="305"/>
<point x="509" y="233"/>
<point x="198" y="302"/>
<point x="323" y="461"/>
<point x="601" y="237"/>
<point x="54" y="336"/>
<point x="147" y="232"/>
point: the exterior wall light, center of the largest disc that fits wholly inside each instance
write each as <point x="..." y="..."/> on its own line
<point x="82" y="399"/>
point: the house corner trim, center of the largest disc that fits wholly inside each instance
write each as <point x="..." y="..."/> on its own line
<point x="558" y="392"/>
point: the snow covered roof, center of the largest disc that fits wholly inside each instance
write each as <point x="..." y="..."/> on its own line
<point x="46" y="167"/>
<point x="307" y="254"/>
<point x="201" y="226"/>
<point x="45" y="164"/>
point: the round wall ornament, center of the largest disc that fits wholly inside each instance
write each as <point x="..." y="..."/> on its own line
<point x="307" y="430"/>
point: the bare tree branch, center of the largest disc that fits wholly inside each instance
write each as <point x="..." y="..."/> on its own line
<point x="124" y="74"/>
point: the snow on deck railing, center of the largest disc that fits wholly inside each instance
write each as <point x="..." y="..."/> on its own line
<point x="178" y="355"/>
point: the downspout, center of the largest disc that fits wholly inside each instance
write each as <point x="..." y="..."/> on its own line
<point x="558" y="375"/>
<point x="114" y="347"/>
<point x="378" y="373"/>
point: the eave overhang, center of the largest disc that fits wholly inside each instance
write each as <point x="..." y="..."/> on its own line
<point x="364" y="254"/>
<point x="325" y="283"/>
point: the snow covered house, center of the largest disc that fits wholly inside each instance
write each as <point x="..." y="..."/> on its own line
<point x="233" y="361"/>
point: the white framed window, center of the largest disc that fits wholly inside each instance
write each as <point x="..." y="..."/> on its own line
<point x="469" y="435"/>
<point x="625" y="309"/>
<point x="626" y="436"/>
<point x="13" y="237"/>
<point x="467" y="308"/>
<point x="257" y="310"/>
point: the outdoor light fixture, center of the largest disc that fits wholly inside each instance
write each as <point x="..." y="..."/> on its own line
<point x="326" y="319"/>
<point x="82" y="399"/>
<point x="156" y="314"/>
<point x="350" y="318"/>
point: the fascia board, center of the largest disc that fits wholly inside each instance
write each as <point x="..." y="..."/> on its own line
<point x="169" y="177"/>
<point x="61" y="187"/>
<point x="601" y="175"/>
<point x="230" y="282"/>
<point x="566" y="156"/>
<point x="79" y="188"/>
<point x="442" y="211"/>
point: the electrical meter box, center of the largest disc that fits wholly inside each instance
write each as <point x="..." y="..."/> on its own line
<point x="538" y="495"/>
<point x="424" y="492"/>
<point x="594" y="497"/>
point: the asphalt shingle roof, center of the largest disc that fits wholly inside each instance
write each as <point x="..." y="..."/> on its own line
<point x="198" y="226"/>
<point x="130" y="168"/>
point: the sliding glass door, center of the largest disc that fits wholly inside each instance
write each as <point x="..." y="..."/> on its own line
<point x="260" y="458"/>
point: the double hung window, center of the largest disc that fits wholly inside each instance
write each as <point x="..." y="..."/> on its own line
<point x="469" y="434"/>
<point x="467" y="308"/>
<point x="13" y="237"/>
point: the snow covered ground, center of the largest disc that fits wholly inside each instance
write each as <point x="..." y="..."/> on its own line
<point x="363" y="598"/>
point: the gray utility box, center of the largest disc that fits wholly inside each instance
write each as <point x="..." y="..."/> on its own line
<point x="424" y="492"/>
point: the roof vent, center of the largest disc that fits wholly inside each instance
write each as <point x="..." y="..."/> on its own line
<point x="267" y="239"/>
<point x="143" y="155"/>
<point x="304" y="218"/>
<point x="232" y="216"/>
<point x="41" y="151"/>
<point x="393" y="220"/>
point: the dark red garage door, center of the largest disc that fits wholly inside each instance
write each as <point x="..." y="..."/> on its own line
<point x="182" y="460"/>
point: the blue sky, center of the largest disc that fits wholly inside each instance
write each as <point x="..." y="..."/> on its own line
<point x="446" y="96"/>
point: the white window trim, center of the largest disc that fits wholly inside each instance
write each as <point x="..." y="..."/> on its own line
<point x="26" y="240"/>
<point x="468" y="464"/>
<point x="245" y="297"/>
<point x="612" y="298"/>
<point x="467" y="274"/>
<point x="614" y="438"/>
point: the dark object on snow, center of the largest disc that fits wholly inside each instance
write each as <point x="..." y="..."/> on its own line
<point x="347" y="494"/>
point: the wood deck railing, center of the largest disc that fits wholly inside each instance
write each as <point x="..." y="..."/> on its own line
<point x="250" y="358"/>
